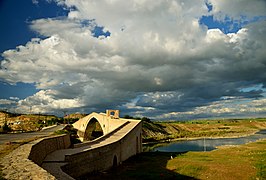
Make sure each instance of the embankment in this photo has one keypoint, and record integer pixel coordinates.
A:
(165, 131)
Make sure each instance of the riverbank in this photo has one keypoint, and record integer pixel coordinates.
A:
(196, 138)
(159, 132)
(197, 143)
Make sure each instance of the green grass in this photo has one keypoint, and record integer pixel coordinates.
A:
(190, 170)
(224, 163)
(261, 162)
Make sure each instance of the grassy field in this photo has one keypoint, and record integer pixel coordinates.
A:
(228, 162)
(238, 162)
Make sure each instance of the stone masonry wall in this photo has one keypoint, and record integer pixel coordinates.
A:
(104, 157)
(93, 160)
(48, 145)
(131, 144)
(17, 165)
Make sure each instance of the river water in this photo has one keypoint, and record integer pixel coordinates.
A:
(208, 144)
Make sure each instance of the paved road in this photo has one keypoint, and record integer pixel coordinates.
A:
(4, 138)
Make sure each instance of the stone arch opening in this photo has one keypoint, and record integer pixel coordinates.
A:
(115, 163)
(137, 144)
(112, 113)
(93, 130)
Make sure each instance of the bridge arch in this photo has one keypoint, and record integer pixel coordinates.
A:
(108, 122)
(115, 162)
(94, 129)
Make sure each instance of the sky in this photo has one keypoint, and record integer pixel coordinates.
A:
(167, 60)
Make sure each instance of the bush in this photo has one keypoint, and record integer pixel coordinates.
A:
(6, 128)
(145, 119)
(69, 129)
(128, 117)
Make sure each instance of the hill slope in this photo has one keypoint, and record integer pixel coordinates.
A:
(156, 131)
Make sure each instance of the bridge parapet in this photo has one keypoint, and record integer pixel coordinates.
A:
(101, 154)
(122, 139)
(110, 151)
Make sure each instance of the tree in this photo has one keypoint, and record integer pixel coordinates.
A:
(6, 128)
(128, 117)
(146, 119)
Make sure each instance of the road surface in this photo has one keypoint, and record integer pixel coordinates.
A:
(5, 138)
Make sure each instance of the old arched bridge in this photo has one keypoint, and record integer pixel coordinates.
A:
(107, 141)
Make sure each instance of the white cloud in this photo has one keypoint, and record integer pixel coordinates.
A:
(6, 102)
(44, 102)
(35, 2)
(238, 9)
(222, 109)
(14, 98)
(157, 51)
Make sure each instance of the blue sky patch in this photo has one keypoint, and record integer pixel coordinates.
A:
(15, 29)
(25, 90)
(98, 31)
(228, 25)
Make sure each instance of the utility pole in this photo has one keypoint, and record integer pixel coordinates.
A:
(204, 144)
(64, 116)
(30, 110)
(5, 116)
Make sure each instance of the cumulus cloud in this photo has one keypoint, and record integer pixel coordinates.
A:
(157, 59)
(239, 9)
(6, 102)
(222, 109)
(35, 2)
(43, 102)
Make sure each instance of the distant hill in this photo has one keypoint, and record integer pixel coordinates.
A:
(26, 122)
(75, 116)
(160, 131)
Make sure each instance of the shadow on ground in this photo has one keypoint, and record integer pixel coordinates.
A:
(147, 165)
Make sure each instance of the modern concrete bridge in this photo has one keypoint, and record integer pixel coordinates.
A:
(121, 138)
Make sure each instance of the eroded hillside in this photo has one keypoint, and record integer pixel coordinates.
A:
(154, 131)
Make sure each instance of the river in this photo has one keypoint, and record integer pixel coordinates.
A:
(208, 144)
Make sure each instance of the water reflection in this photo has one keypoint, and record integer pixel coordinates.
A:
(208, 144)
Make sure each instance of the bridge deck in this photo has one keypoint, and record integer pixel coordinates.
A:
(59, 155)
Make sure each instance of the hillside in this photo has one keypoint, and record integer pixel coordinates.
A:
(75, 116)
(25, 122)
(157, 131)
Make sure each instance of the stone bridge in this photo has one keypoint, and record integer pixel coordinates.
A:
(107, 141)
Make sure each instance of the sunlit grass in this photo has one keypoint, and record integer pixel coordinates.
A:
(229, 162)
